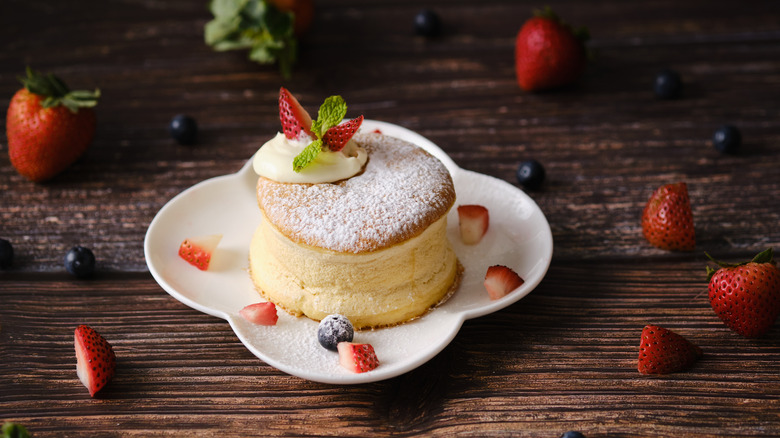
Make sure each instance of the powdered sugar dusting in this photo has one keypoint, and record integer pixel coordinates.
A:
(401, 192)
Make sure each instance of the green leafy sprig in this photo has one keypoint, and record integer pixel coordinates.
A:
(330, 114)
(256, 25)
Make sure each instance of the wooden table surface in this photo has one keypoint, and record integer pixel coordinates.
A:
(563, 358)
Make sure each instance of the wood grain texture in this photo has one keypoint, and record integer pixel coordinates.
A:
(563, 358)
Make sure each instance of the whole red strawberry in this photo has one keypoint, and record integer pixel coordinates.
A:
(548, 53)
(667, 220)
(746, 296)
(48, 126)
(663, 351)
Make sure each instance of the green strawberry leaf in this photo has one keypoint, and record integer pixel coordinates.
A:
(765, 256)
(55, 92)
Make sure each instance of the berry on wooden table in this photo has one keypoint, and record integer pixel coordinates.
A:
(80, 261)
(6, 254)
(667, 219)
(746, 296)
(95, 359)
(48, 126)
(549, 53)
(183, 129)
(427, 23)
(727, 139)
(530, 174)
(663, 351)
(667, 84)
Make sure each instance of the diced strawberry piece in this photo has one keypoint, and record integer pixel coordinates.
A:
(663, 351)
(357, 358)
(260, 313)
(474, 221)
(95, 359)
(198, 250)
(501, 280)
(338, 136)
(295, 120)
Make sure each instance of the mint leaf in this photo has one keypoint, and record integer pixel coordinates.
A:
(227, 8)
(307, 155)
(331, 113)
(256, 25)
(14, 430)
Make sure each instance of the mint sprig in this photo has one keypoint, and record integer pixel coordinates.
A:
(330, 114)
(256, 25)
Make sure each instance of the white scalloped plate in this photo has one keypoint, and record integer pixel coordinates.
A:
(519, 237)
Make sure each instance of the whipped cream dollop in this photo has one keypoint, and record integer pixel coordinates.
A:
(274, 160)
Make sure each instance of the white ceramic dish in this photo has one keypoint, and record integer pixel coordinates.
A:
(519, 237)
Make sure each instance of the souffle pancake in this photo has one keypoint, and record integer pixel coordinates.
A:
(353, 223)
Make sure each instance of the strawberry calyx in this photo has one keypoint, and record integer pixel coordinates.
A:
(581, 33)
(765, 256)
(55, 92)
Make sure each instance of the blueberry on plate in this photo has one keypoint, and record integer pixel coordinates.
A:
(184, 129)
(427, 23)
(334, 329)
(727, 139)
(667, 85)
(572, 434)
(80, 261)
(530, 174)
(6, 254)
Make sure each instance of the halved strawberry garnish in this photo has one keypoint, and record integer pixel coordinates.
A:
(95, 359)
(357, 358)
(260, 313)
(501, 280)
(338, 136)
(295, 120)
(473, 221)
(198, 250)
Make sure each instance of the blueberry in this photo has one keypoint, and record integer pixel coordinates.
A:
(427, 23)
(667, 85)
(80, 261)
(530, 174)
(572, 434)
(6, 254)
(727, 139)
(184, 129)
(334, 329)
